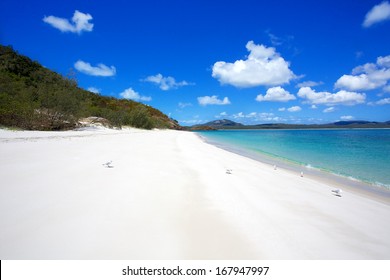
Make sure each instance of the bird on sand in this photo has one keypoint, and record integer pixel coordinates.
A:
(108, 164)
(337, 192)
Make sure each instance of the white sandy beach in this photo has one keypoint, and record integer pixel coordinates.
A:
(168, 196)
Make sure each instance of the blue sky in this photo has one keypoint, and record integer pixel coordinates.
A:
(248, 61)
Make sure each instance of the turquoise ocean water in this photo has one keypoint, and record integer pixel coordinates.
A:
(362, 154)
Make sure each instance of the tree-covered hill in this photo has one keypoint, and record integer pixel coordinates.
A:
(36, 98)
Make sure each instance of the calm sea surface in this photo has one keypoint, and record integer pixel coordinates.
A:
(362, 154)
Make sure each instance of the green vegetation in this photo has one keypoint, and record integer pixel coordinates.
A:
(35, 98)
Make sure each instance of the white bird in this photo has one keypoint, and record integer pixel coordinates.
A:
(301, 173)
(337, 192)
(274, 167)
(108, 164)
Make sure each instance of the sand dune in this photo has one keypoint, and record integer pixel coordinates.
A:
(168, 195)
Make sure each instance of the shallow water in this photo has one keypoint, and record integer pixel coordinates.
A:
(362, 154)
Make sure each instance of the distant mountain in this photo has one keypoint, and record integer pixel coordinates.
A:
(34, 97)
(353, 123)
(223, 123)
(228, 124)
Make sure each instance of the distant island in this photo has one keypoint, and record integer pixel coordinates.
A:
(228, 124)
(33, 97)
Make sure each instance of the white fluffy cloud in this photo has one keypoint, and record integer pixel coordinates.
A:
(346, 118)
(258, 116)
(182, 105)
(294, 109)
(384, 101)
(368, 76)
(99, 70)
(360, 82)
(383, 61)
(263, 66)
(276, 94)
(133, 95)
(329, 110)
(193, 121)
(80, 22)
(166, 83)
(222, 114)
(309, 84)
(378, 13)
(93, 89)
(212, 100)
(340, 98)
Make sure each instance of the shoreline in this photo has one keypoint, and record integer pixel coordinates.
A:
(169, 195)
(377, 192)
